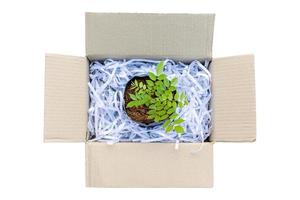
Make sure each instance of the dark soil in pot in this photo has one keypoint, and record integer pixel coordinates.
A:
(138, 114)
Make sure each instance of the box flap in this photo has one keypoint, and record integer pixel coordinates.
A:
(66, 100)
(149, 165)
(233, 102)
(123, 35)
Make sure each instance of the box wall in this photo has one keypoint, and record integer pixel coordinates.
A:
(154, 36)
(66, 98)
(149, 165)
(233, 101)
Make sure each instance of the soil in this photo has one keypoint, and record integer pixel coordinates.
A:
(138, 114)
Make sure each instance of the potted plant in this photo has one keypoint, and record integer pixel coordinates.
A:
(155, 99)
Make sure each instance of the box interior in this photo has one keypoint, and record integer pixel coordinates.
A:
(180, 37)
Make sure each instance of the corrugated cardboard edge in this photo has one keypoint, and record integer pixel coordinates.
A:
(66, 98)
(181, 37)
(149, 165)
(233, 101)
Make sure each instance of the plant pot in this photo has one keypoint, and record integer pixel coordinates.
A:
(137, 114)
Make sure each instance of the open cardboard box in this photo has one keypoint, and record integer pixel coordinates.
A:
(182, 37)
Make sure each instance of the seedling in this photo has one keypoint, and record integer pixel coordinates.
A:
(160, 96)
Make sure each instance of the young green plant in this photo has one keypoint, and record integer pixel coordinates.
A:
(160, 96)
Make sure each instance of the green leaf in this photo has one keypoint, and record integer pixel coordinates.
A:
(170, 97)
(137, 95)
(160, 91)
(136, 83)
(151, 112)
(157, 118)
(152, 76)
(178, 121)
(163, 87)
(141, 84)
(160, 107)
(179, 129)
(131, 104)
(138, 102)
(151, 117)
(147, 97)
(176, 96)
(174, 81)
(171, 110)
(181, 105)
(163, 97)
(169, 128)
(169, 104)
(160, 67)
(172, 88)
(132, 96)
(166, 82)
(167, 92)
(174, 104)
(158, 83)
(149, 82)
(174, 116)
(162, 112)
(166, 123)
(164, 117)
(152, 107)
(161, 77)
(186, 102)
(157, 104)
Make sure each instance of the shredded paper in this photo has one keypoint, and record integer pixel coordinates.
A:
(108, 121)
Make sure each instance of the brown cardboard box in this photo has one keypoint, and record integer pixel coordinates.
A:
(182, 37)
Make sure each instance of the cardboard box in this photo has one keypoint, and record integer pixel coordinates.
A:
(183, 37)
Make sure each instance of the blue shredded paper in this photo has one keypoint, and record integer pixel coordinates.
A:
(108, 121)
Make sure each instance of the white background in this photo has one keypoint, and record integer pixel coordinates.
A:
(268, 168)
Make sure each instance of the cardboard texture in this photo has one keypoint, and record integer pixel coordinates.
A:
(149, 165)
(177, 36)
(66, 98)
(233, 101)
